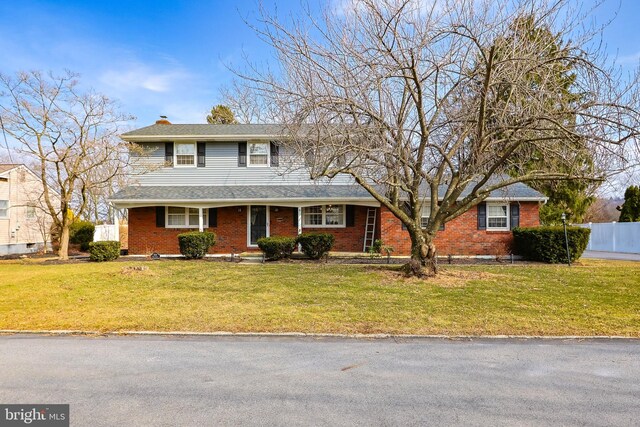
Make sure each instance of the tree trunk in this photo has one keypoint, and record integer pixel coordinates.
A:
(423, 254)
(63, 252)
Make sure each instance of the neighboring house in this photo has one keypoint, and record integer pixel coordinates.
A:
(236, 181)
(24, 225)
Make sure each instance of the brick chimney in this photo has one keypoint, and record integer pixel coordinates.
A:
(163, 121)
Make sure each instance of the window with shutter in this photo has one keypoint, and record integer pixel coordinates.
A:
(242, 154)
(202, 154)
(275, 154)
(324, 216)
(168, 153)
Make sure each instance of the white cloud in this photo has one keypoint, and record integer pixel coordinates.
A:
(137, 76)
(629, 59)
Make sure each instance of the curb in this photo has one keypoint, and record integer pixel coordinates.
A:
(315, 335)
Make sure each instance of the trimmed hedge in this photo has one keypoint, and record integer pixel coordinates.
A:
(547, 244)
(277, 247)
(81, 233)
(316, 245)
(195, 244)
(104, 251)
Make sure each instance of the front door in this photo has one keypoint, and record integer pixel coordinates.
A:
(258, 224)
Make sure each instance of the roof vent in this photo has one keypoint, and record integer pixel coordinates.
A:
(163, 121)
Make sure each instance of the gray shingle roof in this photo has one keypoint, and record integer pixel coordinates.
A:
(283, 192)
(266, 192)
(205, 130)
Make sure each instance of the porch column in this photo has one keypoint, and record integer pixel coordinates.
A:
(200, 220)
(299, 227)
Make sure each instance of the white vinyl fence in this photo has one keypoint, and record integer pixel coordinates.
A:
(106, 232)
(614, 236)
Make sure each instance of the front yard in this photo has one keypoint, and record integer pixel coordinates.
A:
(595, 298)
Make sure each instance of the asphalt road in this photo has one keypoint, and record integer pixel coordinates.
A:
(288, 381)
(622, 256)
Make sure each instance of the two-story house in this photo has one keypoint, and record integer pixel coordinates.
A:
(24, 225)
(237, 181)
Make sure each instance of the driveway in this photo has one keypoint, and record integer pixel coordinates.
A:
(290, 381)
(621, 256)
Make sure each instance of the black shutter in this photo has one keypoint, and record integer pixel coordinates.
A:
(160, 216)
(168, 153)
(482, 216)
(202, 153)
(213, 217)
(275, 154)
(407, 209)
(351, 215)
(242, 154)
(515, 215)
(295, 217)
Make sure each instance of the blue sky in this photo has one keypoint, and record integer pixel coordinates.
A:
(167, 57)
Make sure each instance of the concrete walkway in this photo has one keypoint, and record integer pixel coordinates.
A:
(174, 381)
(621, 256)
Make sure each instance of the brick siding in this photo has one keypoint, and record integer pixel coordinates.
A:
(231, 232)
(460, 237)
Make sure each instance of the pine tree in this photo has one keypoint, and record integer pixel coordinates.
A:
(221, 115)
(630, 210)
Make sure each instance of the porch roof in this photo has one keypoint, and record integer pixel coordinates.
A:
(281, 195)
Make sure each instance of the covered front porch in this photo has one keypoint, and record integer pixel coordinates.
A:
(154, 229)
(240, 215)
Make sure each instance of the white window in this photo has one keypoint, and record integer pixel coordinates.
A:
(324, 216)
(178, 217)
(31, 212)
(312, 215)
(426, 213)
(497, 217)
(4, 208)
(258, 154)
(185, 154)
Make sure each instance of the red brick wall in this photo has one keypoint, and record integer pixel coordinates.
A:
(348, 239)
(461, 235)
(146, 238)
(231, 232)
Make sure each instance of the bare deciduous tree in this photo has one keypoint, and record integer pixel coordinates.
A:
(245, 105)
(440, 103)
(71, 134)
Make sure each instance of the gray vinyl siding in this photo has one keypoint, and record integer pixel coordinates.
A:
(221, 169)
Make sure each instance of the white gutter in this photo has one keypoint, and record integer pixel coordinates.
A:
(286, 202)
(129, 203)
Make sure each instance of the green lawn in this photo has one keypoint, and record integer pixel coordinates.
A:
(595, 298)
